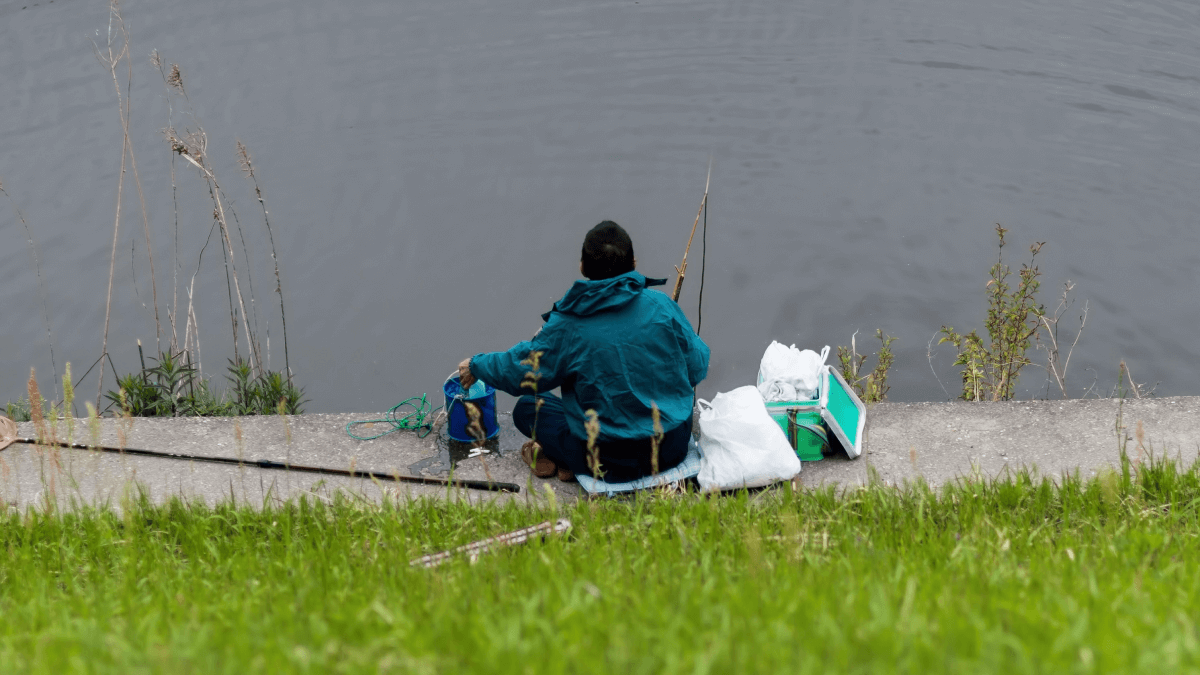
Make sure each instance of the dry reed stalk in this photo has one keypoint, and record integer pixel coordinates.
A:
(172, 315)
(192, 326)
(69, 403)
(194, 149)
(195, 152)
(194, 323)
(37, 266)
(1056, 365)
(1137, 391)
(248, 167)
(256, 346)
(93, 423)
(35, 405)
(124, 419)
(592, 428)
(137, 181)
(475, 428)
(229, 292)
(656, 439)
(112, 61)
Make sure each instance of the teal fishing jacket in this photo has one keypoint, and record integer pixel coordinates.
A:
(612, 346)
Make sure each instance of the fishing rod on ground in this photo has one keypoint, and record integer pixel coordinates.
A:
(8, 436)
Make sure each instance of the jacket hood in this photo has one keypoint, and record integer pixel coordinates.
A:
(588, 297)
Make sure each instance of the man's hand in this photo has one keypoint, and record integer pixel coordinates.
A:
(465, 378)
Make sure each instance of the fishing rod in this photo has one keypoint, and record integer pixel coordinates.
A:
(8, 431)
(681, 269)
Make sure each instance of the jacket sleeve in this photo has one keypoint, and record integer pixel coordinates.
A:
(512, 371)
(697, 357)
(695, 351)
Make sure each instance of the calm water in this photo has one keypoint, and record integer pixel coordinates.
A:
(431, 168)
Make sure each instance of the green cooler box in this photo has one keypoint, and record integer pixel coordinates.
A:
(837, 412)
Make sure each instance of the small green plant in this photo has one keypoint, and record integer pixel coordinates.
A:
(18, 410)
(1013, 318)
(276, 393)
(872, 387)
(172, 388)
(242, 394)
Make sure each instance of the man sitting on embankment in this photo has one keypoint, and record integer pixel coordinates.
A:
(612, 346)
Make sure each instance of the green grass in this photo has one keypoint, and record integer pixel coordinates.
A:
(1010, 576)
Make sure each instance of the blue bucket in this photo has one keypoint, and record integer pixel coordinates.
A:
(456, 413)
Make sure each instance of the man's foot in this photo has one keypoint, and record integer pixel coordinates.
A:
(566, 475)
(543, 467)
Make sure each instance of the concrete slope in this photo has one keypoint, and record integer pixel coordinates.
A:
(29, 474)
(936, 441)
(943, 441)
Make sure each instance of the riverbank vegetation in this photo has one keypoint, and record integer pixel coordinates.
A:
(870, 385)
(1014, 575)
(990, 369)
(172, 311)
(172, 388)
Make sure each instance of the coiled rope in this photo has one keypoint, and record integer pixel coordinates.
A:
(419, 417)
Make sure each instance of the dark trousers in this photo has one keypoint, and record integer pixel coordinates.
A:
(620, 461)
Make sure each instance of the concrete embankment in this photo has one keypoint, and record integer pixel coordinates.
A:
(936, 441)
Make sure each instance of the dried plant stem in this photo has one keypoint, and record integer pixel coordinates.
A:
(214, 191)
(248, 166)
(1137, 391)
(111, 62)
(656, 439)
(191, 326)
(37, 266)
(256, 346)
(192, 318)
(124, 109)
(173, 312)
(194, 150)
(137, 182)
(591, 426)
(1056, 364)
(229, 293)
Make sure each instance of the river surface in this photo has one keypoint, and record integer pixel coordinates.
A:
(430, 169)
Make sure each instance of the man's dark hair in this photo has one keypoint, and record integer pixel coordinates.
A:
(607, 251)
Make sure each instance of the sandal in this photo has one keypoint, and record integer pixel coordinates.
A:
(566, 475)
(543, 467)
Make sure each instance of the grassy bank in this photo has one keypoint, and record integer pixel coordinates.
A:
(1018, 575)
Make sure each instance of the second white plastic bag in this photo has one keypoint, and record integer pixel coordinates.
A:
(740, 443)
(789, 374)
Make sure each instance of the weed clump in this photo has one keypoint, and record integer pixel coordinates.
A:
(173, 388)
(872, 387)
(1013, 318)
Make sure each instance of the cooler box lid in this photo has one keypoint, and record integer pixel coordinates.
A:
(843, 412)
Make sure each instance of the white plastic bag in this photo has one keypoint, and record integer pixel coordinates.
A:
(788, 374)
(740, 443)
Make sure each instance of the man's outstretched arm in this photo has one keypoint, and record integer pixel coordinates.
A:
(509, 370)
